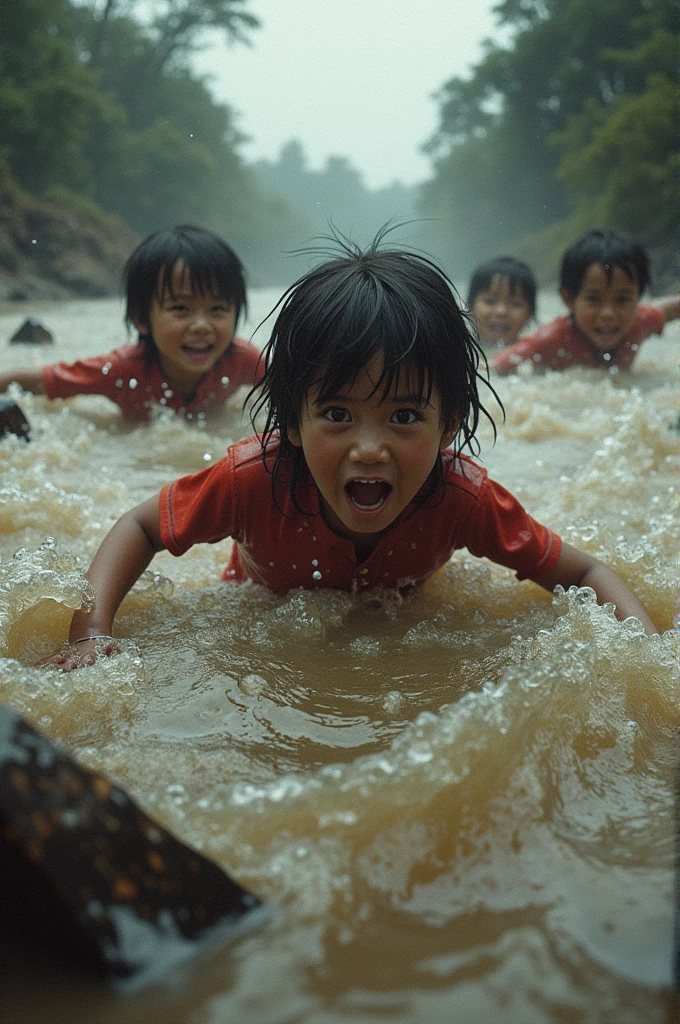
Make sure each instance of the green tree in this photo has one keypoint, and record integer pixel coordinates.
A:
(495, 169)
(50, 104)
(621, 165)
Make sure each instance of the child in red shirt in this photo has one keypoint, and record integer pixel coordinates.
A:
(370, 393)
(185, 290)
(603, 275)
(501, 298)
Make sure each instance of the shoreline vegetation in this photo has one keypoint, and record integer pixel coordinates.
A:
(109, 133)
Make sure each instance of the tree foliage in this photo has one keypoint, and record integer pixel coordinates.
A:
(101, 106)
(569, 115)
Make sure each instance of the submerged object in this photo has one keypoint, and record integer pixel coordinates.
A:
(32, 332)
(12, 420)
(91, 879)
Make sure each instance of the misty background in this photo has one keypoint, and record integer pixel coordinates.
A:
(492, 127)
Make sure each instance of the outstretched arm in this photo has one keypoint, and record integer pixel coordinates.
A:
(669, 306)
(576, 568)
(122, 558)
(28, 379)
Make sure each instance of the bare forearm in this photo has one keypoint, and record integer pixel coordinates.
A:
(576, 568)
(610, 587)
(28, 379)
(669, 306)
(123, 556)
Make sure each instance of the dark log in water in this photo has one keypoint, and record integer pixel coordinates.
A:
(92, 880)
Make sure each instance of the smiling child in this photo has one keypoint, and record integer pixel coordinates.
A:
(603, 275)
(358, 479)
(502, 298)
(185, 291)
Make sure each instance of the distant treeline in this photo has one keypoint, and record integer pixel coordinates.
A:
(569, 124)
(566, 124)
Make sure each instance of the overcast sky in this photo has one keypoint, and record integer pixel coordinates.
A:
(348, 77)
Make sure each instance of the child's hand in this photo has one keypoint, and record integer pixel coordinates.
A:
(81, 653)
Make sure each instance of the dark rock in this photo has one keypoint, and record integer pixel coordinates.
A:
(32, 332)
(12, 420)
(90, 879)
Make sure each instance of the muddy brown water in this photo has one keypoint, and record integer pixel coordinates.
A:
(458, 804)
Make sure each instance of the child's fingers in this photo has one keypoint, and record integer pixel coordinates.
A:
(73, 657)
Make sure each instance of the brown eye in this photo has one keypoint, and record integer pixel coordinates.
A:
(404, 417)
(336, 414)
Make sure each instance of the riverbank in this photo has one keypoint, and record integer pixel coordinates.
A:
(48, 251)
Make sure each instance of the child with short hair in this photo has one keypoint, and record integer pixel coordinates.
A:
(358, 479)
(185, 291)
(603, 275)
(502, 298)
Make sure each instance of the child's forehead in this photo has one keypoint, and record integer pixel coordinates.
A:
(372, 379)
(179, 280)
(505, 283)
(609, 275)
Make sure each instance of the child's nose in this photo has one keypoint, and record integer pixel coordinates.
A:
(200, 321)
(369, 446)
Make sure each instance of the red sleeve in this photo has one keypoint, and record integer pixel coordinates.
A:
(502, 530)
(549, 348)
(248, 368)
(95, 376)
(648, 320)
(509, 358)
(199, 508)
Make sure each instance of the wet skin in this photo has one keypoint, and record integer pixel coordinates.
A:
(604, 309)
(190, 330)
(369, 455)
(501, 312)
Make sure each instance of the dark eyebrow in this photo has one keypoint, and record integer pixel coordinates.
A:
(406, 399)
(411, 399)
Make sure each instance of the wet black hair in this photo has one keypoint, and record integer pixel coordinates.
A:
(608, 248)
(212, 265)
(520, 277)
(358, 304)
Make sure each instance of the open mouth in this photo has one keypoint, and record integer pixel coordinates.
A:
(607, 336)
(197, 351)
(368, 495)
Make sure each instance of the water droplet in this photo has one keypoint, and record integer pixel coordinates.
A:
(34, 241)
(132, 383)
(225, 381)
(315, 561)
(316, 575)
(207, 457)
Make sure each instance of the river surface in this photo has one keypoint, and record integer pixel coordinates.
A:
(459, 804)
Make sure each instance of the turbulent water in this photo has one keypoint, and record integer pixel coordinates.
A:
(459, 804)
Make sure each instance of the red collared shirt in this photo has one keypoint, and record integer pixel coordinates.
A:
(283, 549)
(560, 344)
(136, 384)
